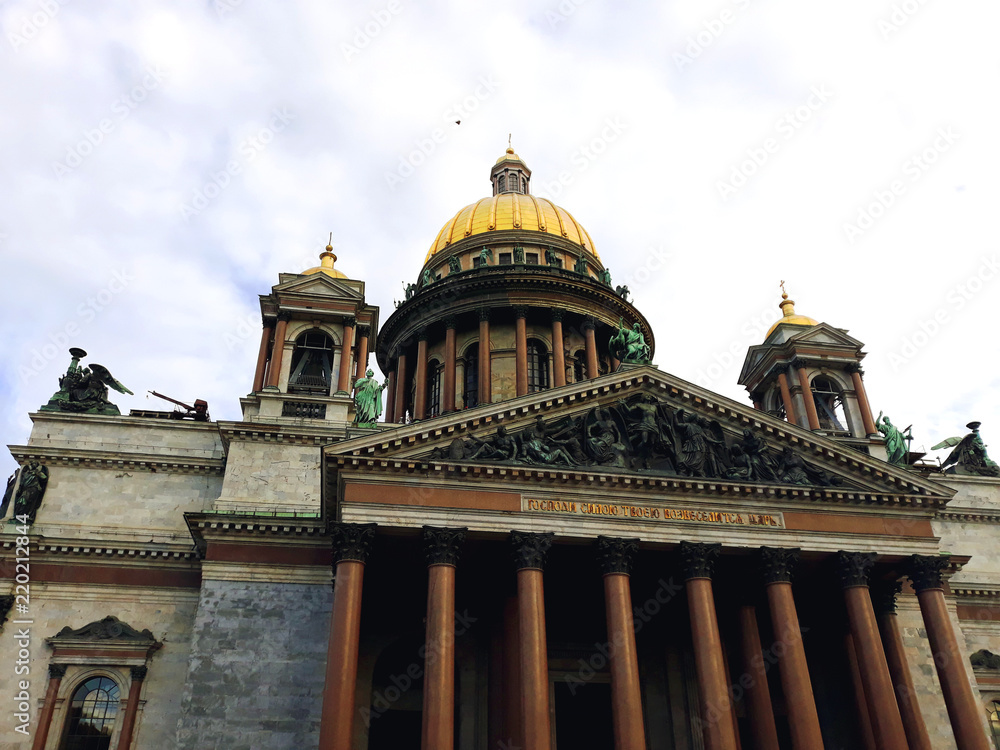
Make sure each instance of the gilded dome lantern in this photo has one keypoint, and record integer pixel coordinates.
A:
(512, 298)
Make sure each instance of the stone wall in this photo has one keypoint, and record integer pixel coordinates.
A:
(271, 476)
(257, 666)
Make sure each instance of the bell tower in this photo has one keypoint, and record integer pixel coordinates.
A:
(809, 373)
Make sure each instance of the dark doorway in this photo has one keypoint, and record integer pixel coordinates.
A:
(583, 716)
(396, 729)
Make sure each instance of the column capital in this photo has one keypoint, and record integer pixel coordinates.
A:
(854, 568)
(616, 554)
(557, 314)
(698, 559)
(269, 322)
(484, 314)
(349, 321)
(520, 311)
(530, 549)
(777, 564)
(798, 363)
(854, 367)
(451, 323)
(442, 545)
(422, 334)
(139, 673)
(352, 541)
(284, 317)
(589, 324)
(884, 596)
(781, 368)
(924, 572)
(57, 671)
(364, 331)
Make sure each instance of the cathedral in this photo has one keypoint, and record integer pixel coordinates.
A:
(526, 536)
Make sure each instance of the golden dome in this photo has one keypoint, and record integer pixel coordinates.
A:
(326, 261)
(507, 211)
(788, 308)
(511, 156)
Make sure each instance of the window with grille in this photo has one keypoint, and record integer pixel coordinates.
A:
(471, 392)
(829, 402)
(92, 715)
(433, 389)
(531, 259)
(501, 183)
(506, 259)
(312, 364)
(538, 366)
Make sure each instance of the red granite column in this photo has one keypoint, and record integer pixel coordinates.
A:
(448, 388)
(362, 365)
(758, 697)
(963, 708)
(274, 371)
(420, 378)
(400, 401)
(786, 395)
(131, 707)
(615, 556)
(778, 566)
(529, 558)
(558, 353)
(807, 394)
(520, 351)
(344, 379)
(887, 726)
(593, 368)
(56, 673)
(485, 365)
(884, 600)
(866, 409)
(698, 561)
(860, 699)
(352, 544)
(390, 398)
(441, 547)
(265, 340)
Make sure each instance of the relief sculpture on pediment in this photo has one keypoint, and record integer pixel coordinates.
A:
(642, 434)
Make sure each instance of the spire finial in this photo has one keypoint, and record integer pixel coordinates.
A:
(327, 258)
(329, 245)
(787, 305)
(784, 294)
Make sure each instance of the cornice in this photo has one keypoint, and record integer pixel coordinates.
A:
(49, 550)
(969, 515)
(250, 528)
(291, 434)
(118, 460)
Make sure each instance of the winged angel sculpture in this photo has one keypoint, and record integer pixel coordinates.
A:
(969, 454)
(85, 389)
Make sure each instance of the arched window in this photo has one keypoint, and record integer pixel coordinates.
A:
(579, 366)
(433, 389)
(829, 404)
(501, 183)
(312, 364)
(995, 723)
(538, 366)
(776, 406)
(92, 714)
(524, 186)
(471, 391)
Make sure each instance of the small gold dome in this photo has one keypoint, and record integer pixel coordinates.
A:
(326, 261)
(507, 211)
(510, 155)
(789, 316)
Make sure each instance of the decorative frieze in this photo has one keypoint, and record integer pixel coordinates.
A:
(530, 549)
(443, 545)
(615, 554)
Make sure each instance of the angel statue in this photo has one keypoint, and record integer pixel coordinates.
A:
(84, 389)
(969, 454)
(368, 399)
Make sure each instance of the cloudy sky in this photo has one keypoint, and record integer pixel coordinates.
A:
(163, 162)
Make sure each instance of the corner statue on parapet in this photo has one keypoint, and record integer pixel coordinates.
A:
(629, 345)
(85, 389)
(368, 399)
(969, 455)
(896, 440)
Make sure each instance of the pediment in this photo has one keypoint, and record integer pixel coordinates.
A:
(826, 334)
(641, 423)
(321, 285)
